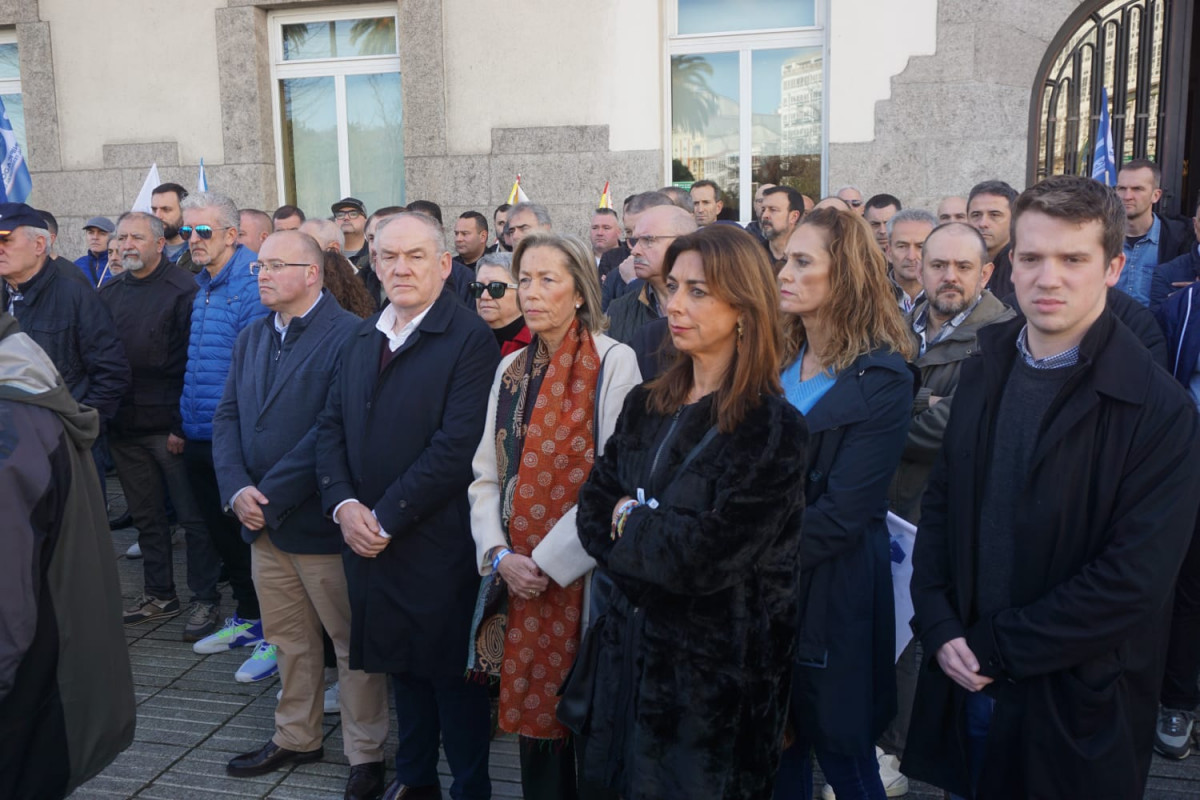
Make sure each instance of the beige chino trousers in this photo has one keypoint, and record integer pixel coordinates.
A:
(298, 595)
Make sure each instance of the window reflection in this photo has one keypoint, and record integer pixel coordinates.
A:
(309, 141)
(788, 86)
(374, 116)
(343, 38)
(706, 122)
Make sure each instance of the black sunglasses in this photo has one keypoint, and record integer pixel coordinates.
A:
(496, 289)
(203, 231)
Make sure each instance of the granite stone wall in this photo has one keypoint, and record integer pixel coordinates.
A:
(961, 115)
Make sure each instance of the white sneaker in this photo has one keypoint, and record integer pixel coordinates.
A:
(134, 551)
(333, 699)
(894, 783)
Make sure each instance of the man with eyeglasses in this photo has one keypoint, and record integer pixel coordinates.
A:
(225, 304)
(264, 450)
(656, 229)
(394, 448)
(853, 197)
(351, 215)
(616, 266)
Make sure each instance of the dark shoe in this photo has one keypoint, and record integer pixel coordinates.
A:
(366, 782)
(121, 522)
(201, 621)
(398, 791)
(268, 759)
(147, 608)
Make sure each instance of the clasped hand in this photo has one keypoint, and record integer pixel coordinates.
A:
(361, 530)
(523, 576)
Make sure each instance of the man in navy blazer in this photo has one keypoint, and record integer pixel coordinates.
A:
(394, 448)
(264, 448)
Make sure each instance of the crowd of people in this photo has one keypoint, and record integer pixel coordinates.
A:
(635, 488)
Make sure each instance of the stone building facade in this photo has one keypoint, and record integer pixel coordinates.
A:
(922, 98)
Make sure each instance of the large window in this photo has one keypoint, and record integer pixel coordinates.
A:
(747, 96)
(338, 106)
(10, 87)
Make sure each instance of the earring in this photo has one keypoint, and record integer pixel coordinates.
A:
(578, 306)
(739, 329)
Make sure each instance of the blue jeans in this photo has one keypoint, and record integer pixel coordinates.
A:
(979, 721)
(457, 709)
(852, 777)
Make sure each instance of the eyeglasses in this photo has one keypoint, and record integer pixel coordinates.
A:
(203, 231)
(855, 203)
(351, 214)
(648, 241)
(272, 266)
(496, 289)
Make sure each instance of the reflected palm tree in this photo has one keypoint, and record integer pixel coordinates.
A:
(693, 100)
(377, 36)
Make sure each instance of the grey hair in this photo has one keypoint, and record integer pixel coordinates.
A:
(33, 233)
(227, 210)
(640, 202)
(911, 215)
(435, 230)
(157, 230)
(678, 196)
(500, 259)
(328, 230)
(848, 186)
(538, 211)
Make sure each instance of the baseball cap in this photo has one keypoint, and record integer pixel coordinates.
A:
(14, 215)
(349, 202)
(103, 223)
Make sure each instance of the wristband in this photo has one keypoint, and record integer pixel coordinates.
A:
(618, 526)
(500, 557)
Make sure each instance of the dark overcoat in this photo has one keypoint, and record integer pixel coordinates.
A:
(265, 433)
(401, 441)
(1107, 516)
(696, 645)
(844, 691)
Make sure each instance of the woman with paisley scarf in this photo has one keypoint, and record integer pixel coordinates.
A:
(553, 405)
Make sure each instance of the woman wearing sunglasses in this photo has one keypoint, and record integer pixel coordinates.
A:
(553, 405)
(495, 293)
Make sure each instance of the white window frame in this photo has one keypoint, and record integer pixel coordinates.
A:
(337, 68)
(744, 42)
(10, 85)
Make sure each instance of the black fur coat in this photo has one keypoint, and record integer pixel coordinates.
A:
(699, 633)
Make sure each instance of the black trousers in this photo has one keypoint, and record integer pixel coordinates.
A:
(225, 530)
(1180, 687)
(549, 771)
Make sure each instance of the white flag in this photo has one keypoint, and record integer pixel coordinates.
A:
(904, 538)
(148, 186)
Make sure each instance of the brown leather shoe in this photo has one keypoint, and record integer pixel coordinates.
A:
(366, 782)
(269, 758)
(398, 791)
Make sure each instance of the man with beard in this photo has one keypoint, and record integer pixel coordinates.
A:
(906, 233)
(151, 304)
(165, 204)
(351, 215)
(782, 208)
(952, 271)
(755, 227)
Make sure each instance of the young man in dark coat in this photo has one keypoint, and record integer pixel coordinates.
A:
(1046, 555)
(394, 450)
(264, 451)
(66, 692)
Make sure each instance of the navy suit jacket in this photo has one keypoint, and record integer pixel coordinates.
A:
(264, 433)
(400, 440)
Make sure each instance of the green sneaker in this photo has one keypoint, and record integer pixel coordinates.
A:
(236, 633)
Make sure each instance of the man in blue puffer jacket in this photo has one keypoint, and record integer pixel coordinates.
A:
(226, 303)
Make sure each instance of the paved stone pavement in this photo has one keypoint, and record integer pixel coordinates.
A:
(193, 717)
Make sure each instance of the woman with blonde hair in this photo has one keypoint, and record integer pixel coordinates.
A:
(693, 513)
(845, 368)
(553, 405)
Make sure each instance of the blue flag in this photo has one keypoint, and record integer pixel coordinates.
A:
(1104, 158)
(202, 179)
(15, 183)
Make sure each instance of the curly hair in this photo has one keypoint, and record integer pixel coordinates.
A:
(345, 286)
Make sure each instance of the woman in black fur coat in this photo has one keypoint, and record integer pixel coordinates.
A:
(693, 512)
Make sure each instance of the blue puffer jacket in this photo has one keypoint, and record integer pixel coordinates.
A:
(224, 305)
